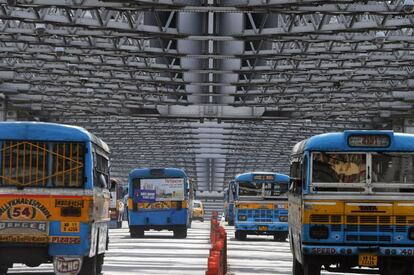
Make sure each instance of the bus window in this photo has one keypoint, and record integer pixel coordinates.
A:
(250, 189)
(392, 168)
(42, 164)
(339, 168)
(101, 171)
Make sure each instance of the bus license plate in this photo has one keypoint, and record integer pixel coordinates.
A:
(368, 260)
(70, 227)
(262, 228)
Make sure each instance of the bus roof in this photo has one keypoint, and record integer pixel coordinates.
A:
(249, 176)
(338, 141)
(157, 173)
(44, 131)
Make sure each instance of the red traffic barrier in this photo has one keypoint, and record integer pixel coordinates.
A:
(217, 262)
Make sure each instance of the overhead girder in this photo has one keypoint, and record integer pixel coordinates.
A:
(312, 66)
(130, 21)
(340, 7)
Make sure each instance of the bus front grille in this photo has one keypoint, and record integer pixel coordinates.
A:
(260, 215)
(368, 238)
(364, 228)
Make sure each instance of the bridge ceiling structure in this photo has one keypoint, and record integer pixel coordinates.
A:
(217, 87)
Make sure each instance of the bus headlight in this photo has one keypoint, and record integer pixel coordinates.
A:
(319, 232)
(411, 233)
(283, 218)
(242, 217)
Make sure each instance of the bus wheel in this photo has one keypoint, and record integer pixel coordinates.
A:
(99, 263)
(88, 266)
(3, 269)
(180, 232)
(297, 268)
(230, 223)
(136, 232)
(240, 235)
(311, 269)
(280, 237)
(396, 268)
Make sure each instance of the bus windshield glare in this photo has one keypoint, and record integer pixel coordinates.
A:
(351, 168)
(259, 189)
(332, 168)
(42, 164)
(393, 168)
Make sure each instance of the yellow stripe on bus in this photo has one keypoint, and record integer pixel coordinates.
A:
(377, 212)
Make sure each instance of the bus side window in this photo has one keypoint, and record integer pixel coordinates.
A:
(136, 183)
(304, 172)
(295, 178)
(101, 171)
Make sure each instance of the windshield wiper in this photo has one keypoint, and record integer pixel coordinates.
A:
(394, 155)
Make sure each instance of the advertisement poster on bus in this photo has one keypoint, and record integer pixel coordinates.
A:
(165, 189)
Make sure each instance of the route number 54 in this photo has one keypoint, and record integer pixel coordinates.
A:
(22, 211)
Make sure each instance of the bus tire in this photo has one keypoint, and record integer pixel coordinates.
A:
(180, 233)
(311, 269)
(3, 269)
(239, 235)
(88, 266)
(243, 236)
(99, 263)
(391, 267)
(230, 223)
(280, 237)
(136, 232)
(297, 268)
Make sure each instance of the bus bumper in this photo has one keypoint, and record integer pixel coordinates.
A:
(158, 219)
(334, 250)
(262, 229)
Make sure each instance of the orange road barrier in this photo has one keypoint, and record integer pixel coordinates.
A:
(217, 261)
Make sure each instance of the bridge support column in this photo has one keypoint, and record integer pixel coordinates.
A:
(408, 126)
(3, 109)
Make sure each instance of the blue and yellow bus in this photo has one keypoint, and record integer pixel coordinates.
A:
(260, 205)
(159, 199)
(229, 203)
(54, 197)
(351, 203)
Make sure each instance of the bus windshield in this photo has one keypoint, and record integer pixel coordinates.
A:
(386, 168)
(42, 164)
(339, 168)
(392, 168)
(262, 189)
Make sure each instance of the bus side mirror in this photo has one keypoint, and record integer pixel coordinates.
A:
(102, 181)
(113, 185)
(295, 186)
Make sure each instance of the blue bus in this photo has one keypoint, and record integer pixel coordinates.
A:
(351, 203)
(260, 205)
(159, 199)
(229, 203)
(54, 197)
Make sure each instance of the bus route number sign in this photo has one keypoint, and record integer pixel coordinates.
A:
(380, 141)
